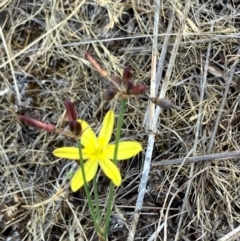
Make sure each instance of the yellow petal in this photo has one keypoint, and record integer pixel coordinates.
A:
(109, 151)
(88, 136)
(71, 153)
(126, 149)
(106, 130)
(111, 171)
(90, 168)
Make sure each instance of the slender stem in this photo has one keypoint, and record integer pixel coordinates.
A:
(119, 128)
(92, 211)
(109, 209)
(111, 190)
(97, 208)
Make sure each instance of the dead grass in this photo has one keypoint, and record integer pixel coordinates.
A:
(42, 63)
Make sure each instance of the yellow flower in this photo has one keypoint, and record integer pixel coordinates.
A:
(97, 150)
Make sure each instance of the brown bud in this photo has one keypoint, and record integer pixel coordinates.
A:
(163, 103)
(75, 127)
(126, 74)
(95, 65)
(138, 89)
(109, 94)
(36, 123)
(70, 110)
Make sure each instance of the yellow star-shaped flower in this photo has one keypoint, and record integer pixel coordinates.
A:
(98, 151)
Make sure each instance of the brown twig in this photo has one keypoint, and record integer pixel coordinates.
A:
(209, 157)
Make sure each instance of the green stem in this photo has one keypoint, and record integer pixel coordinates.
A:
(111, 190)
(109, 209)
(119, 128)
(92, 211)
(95, 189)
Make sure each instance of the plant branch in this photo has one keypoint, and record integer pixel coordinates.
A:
(208, 157)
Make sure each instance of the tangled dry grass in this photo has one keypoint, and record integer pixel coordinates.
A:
(42, 63)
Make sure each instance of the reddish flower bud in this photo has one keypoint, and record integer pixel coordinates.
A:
(126, 74)
(36, 123)
(109, 94)
(163, 103)
(137, 90)
(75, 127)
(70, 110)
(129, 86)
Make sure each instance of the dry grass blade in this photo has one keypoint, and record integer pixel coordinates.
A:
(231, 236)
(18, 101)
